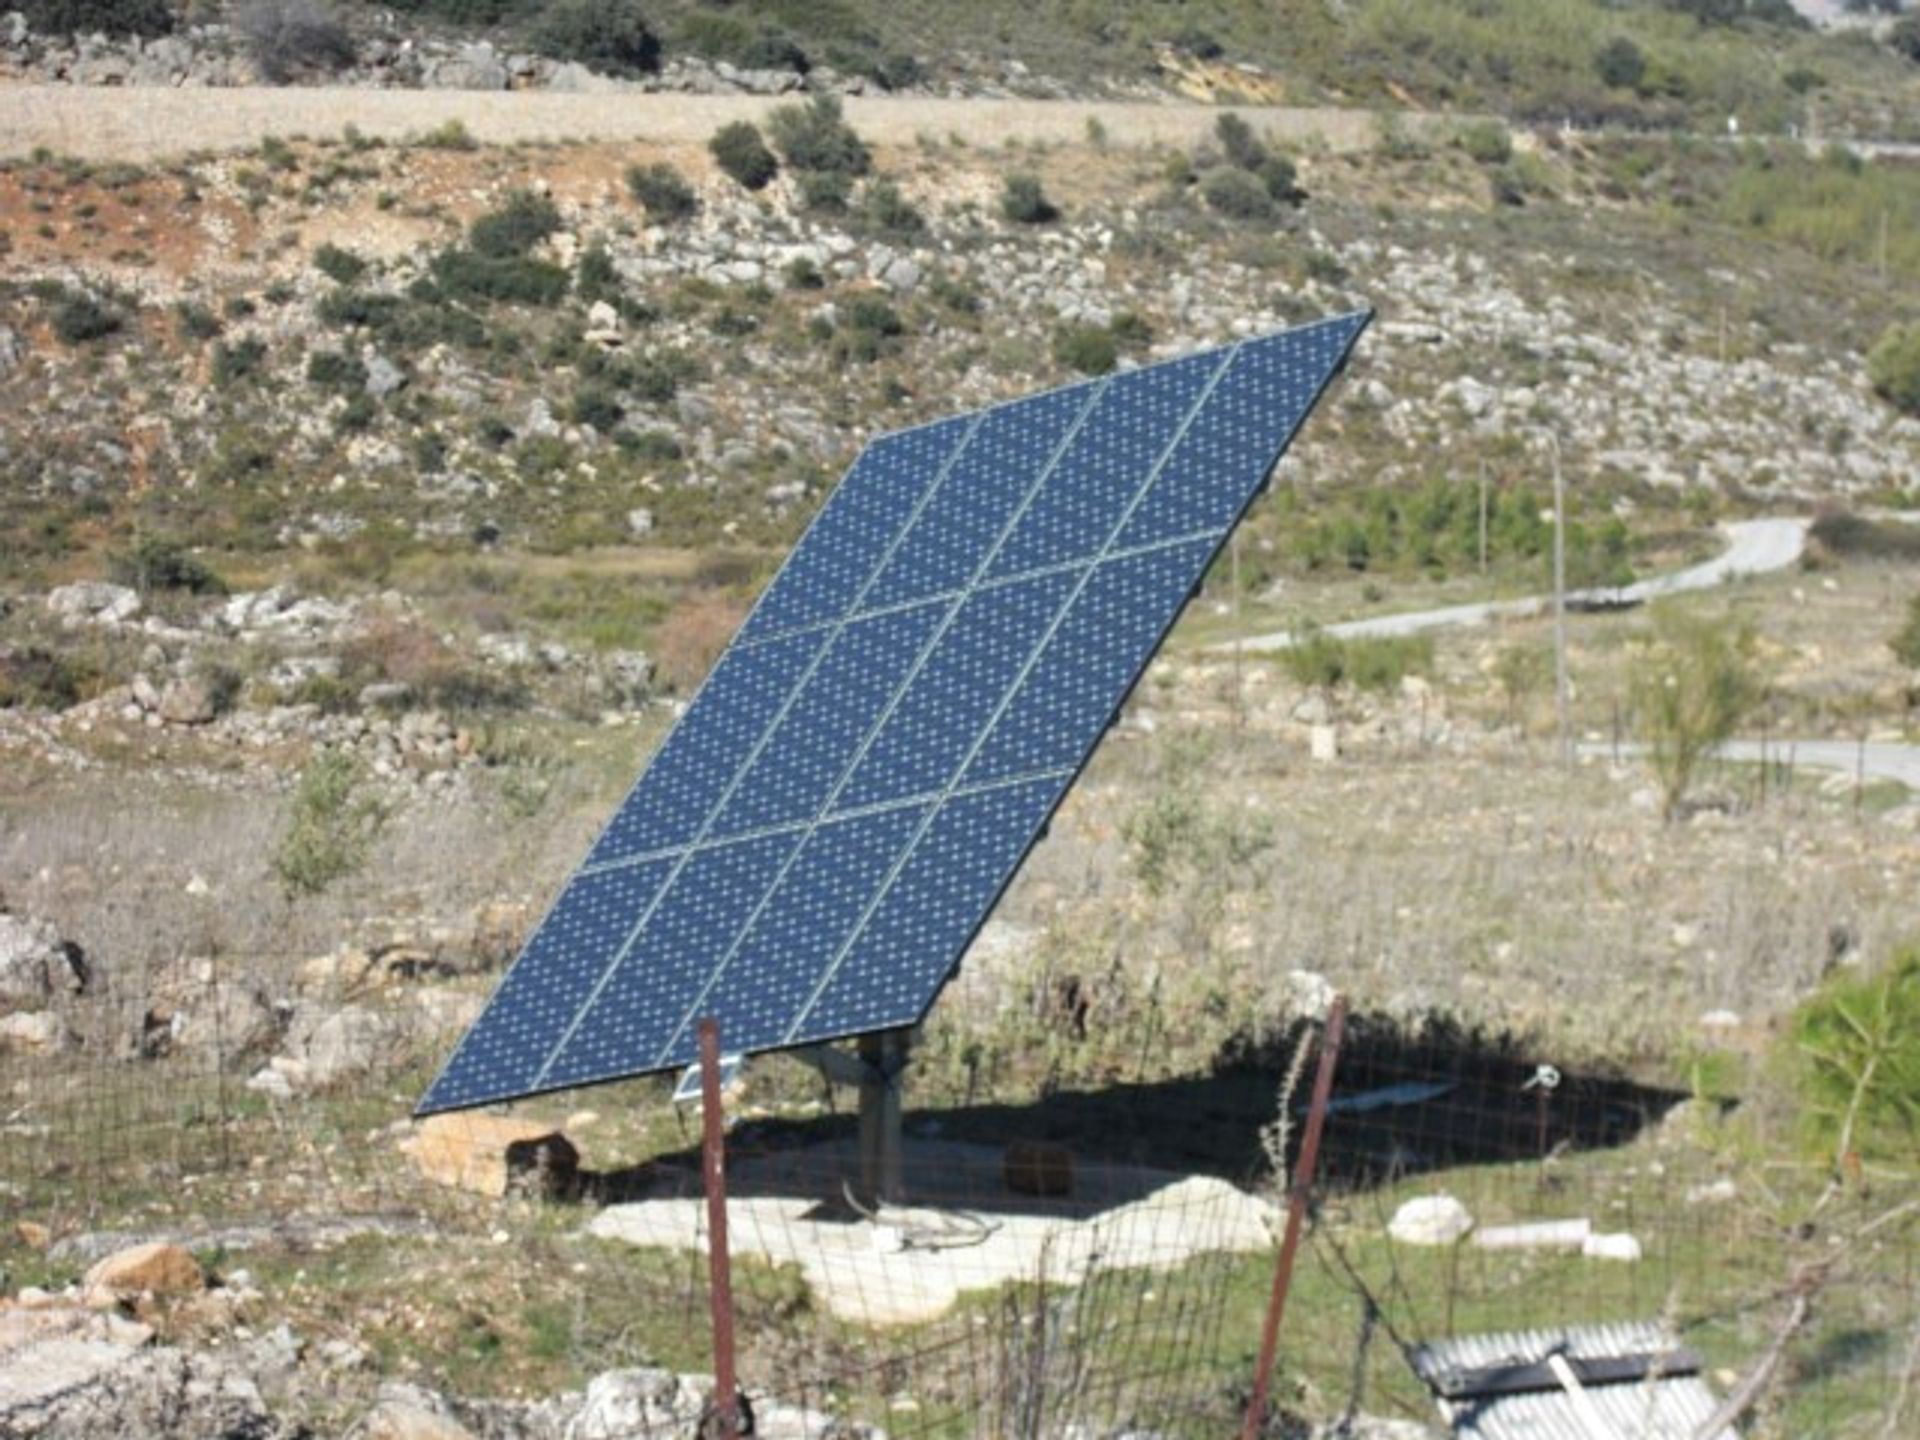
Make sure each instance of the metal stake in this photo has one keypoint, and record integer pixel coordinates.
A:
(1298, 1190)
(713, 1157)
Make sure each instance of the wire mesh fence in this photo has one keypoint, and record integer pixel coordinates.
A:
(1086, 1261)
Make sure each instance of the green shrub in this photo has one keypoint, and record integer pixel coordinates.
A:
(40, 679)
(1857, 1045)
(802, 274)
(1487, 143)
(80, 319)
(335, 370)
(663, 192)
(816, 137)
(597, 406)
(341, 266)
(1838, 532)
(1281, 179)
(289, 37)
(1620, 64)
(1906, 643)
(611, 36)
(1232, 192)
(825, 192)
(739, 150)
(519, 224)
(448, 135)
(883, 210)
(330, 827)
(1377, 663)
(242, 360)
(1904, 36)
(1089, 349)
(763, 47)
(1893, 367)
(196, 321)
(1241, 146)
(157, 563)
(1025, 202)
(466, 275)
(1692, 684)
(85, 17)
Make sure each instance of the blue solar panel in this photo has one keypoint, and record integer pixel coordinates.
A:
(817, 842)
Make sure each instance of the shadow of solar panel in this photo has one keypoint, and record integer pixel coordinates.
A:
(819, 839)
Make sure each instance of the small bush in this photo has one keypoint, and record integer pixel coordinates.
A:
(341, 266)
(513, 280)
(331, 825)
(242, 360)
(448, 135)
(1025, 202)
(1281, 179)
(825, 192)
(663, 192)
(611, 36)
(1904, 37)
(1857, 1041)
(145, 18)
(39, 679)
(1906, 643)
(285, 38)
(1893, 367)
(1377, 663)
(157, 563)
(81, 319)
(816, 137)
(1841, 533)
(1089, 349)
(802, 274)
(883, 210)
(1487, 143)
(1232, 192)
(521, 222)
(1692, 685)
(1237, 140)
(1620, 64)
(335, 370)
(722, 37)
(599, 407)
(739, 150)
(196, 321)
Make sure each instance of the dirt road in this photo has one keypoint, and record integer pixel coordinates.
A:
(1754, 547)
(94, 123)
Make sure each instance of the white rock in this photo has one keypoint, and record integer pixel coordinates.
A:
(1323, 743)
(1430, 1220)
(1616, 1246)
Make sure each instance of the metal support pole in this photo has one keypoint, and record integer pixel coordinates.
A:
(885, 1057)
(1562, 727)
(713, 1157)
(1298, 1191)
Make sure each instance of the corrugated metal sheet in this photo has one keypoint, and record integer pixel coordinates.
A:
(1652, 1408)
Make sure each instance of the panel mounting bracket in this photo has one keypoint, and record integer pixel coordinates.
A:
(875, 1065)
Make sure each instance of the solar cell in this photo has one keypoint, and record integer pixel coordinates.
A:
(818, 840)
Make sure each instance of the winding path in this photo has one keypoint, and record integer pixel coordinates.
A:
(1754, 547)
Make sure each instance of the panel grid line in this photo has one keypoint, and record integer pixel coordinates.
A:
(984, 587)
(1033, 658)
(852, 812)
(928, 648)
(746, 765)
(820, 835)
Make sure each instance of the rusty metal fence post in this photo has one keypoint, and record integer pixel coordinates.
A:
(713, 1167)
(1298, 1192)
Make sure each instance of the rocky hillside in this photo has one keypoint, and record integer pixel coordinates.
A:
(1672, 63)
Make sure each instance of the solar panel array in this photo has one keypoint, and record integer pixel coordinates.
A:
(822, 834)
